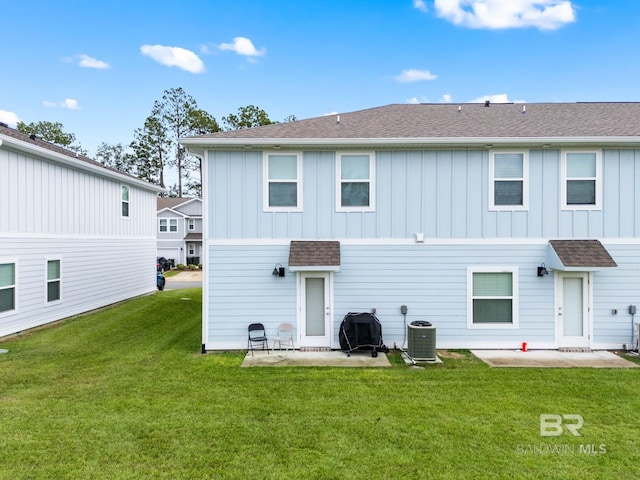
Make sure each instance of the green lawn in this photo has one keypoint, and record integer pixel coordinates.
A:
(125, 393)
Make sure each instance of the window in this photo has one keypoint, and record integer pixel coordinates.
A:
(509, 188)
(355, 182)
(492, 297)
(581, 184)
(125, 200)
(191, 249)
(7, 287)
(168, 225)
(53, 281)
(191, 224)
(282, 182)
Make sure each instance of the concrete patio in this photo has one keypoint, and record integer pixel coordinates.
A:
(552, 359)
(296, 358)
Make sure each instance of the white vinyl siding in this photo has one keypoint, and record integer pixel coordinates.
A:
(355, 186)
(509, 182)
(282, 174)
(492, 297)
(53, 281)
(7, 287)
(581, 180)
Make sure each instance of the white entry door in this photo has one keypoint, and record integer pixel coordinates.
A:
(573, 309)
(315, 319)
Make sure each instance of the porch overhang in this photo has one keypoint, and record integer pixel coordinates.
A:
(578, 256)
(314, 256)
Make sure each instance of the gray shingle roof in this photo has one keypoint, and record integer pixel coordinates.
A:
(471, 120)
(314, 253)
(582, 253)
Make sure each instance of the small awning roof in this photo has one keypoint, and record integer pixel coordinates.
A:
(578, 256)
(319, 256)
(193, 236)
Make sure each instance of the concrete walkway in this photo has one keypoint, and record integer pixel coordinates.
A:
(552, 358)
(296, 358)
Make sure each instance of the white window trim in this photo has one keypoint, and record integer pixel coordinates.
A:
(598, 179)
(514, 297)
(128, 202)
(47, 303)
(525, 181)
(14, 261)
(160, 220)
(371, 180)
(191, 224)
(191, 249)
(265, 182)
(171, 220)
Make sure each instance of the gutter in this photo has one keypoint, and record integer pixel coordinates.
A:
(197, 145)
(69, 161)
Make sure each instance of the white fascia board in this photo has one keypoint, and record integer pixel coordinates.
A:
(167, 209)
(199, 144)
(77, 164)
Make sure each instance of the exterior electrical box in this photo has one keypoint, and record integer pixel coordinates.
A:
(421, 338)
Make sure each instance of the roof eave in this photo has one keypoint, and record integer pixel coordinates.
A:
(76, 163)
(199, 144)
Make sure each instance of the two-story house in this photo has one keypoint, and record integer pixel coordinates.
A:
(74, 235)
(180, 230)
(498, 223)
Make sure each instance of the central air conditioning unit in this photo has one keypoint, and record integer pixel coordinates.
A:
(421, 338)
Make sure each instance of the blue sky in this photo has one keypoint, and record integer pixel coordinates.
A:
(98, 66)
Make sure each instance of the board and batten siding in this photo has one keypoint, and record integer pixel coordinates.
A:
(52, 210)
(430, 279)
(440, 193)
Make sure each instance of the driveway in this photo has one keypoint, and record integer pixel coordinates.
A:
(185, 279)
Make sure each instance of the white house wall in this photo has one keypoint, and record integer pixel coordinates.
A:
(51, 211)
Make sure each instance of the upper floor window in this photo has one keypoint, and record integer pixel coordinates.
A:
(125, 200)
(282, 182)
(191, 224)
(168, 225)
(7, 287)
(581, 180)
(355, 178)
(492, 297)
(53, 280)
(509, 183)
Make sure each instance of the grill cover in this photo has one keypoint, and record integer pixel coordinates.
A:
(361, 331)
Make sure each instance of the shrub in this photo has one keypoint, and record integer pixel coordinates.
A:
(192, 267)
(181, 266)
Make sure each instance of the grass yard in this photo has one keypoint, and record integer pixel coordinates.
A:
(125, 394)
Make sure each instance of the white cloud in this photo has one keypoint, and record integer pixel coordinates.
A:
(498, 98)
(9, 118)
(243, 46)
(174, 57)
(412, 75)
(446, 98)
(420, 5)
(68, 103)
(498, 14)
(86, 61)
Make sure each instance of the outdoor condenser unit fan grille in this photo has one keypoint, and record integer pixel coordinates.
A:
(421, 341)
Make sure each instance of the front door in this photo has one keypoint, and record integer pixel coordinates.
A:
(572, 309)
(314, 309)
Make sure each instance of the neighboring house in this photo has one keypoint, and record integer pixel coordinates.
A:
(456, 211)
(74, 235)
(180, 230)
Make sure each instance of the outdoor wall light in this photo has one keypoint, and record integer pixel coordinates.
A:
(542, 271)
(278, 270)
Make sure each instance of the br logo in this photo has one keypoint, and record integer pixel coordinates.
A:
(552, 425)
